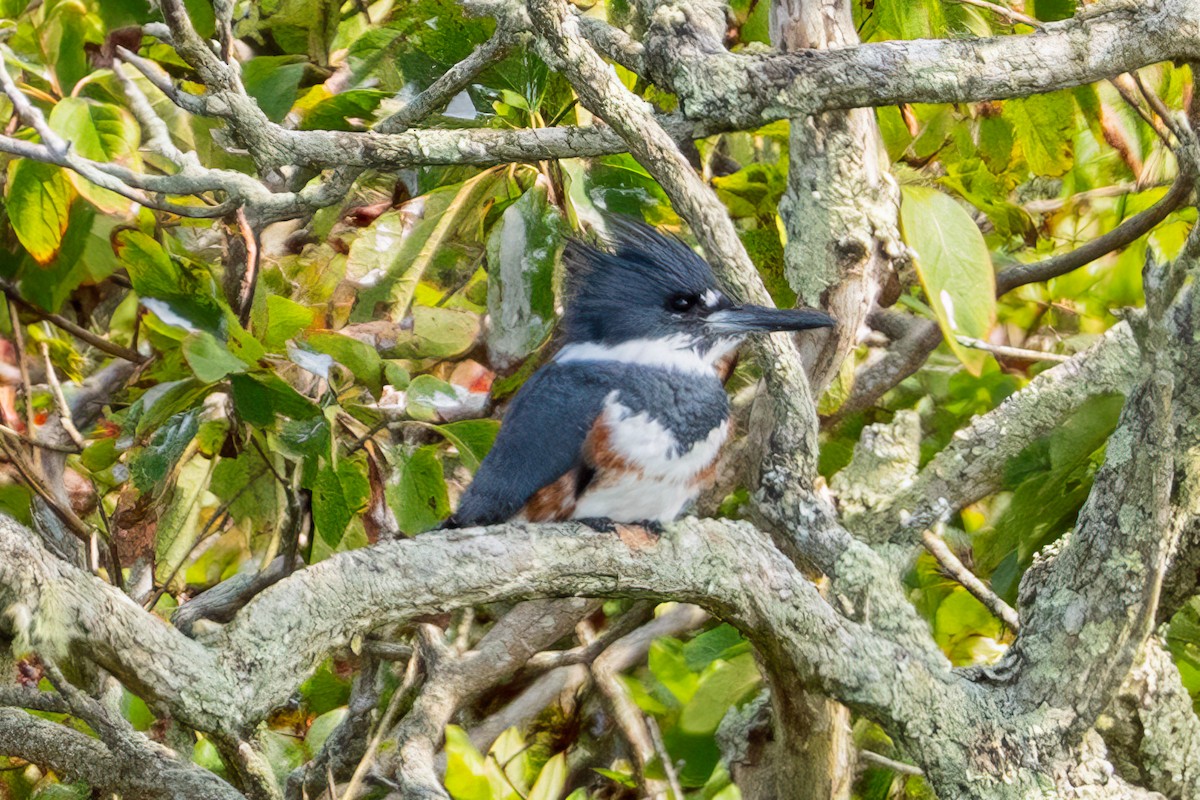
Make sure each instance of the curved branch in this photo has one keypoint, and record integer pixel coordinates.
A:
(971, 466)
(258, 659)
(748, 90)
(907, 355)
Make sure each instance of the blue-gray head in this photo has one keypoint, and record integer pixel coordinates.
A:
(647, 286)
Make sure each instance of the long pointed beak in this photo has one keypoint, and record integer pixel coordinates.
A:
(753, 319)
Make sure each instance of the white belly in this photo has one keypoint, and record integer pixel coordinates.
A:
(630, 498)
(662, 477)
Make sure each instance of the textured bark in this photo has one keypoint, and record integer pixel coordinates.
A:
(1024, 728)
(840, 208)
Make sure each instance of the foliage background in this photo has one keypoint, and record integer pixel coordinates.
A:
(387, 330)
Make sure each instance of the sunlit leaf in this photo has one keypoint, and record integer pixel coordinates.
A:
(466, 776)
(954, 265)
(360, 358)
(1043, 124)
(102, 132)
(551, 780)
(208, 358)
(39, 203)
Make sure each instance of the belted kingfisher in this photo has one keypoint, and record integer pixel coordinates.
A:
(625, 422)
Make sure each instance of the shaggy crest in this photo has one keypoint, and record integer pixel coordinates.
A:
(618, 293)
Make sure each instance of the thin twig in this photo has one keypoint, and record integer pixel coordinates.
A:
(453, 81)
(908, 354)
(385, 725)
(1160, 130)
(79, 332)
(26, 383)
(1160, 108)
(664, 757)
(29, 440)
(889, 763)
(245, 298)
(64, 409)
(387, 651)
(968, 580)
(30, 474)
(1014, 17)
(1005, 351)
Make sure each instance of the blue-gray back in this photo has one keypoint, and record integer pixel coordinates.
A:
(542, 435)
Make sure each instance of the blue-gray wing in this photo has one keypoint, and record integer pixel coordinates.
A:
(540, 440)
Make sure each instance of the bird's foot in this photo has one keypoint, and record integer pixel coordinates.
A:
(600, 524)
(652, 526)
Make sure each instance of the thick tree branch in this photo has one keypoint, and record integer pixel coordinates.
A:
(77, 756)
(749, 90)
(970, 467)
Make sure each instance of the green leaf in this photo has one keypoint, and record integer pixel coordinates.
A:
(416, 491)
(321, 728)
(551, 780)
(954, 266)
(669, 667)
(473, 438)
(334, 113)
(723, 641)
(16, 501)
(326, 690)
(285, 319)
(164, 400)
(627, 779)
(368, 50)
(620, 185)
(1051, 10)
(247, 486)
(102, 132)
(330, 509)
(996, 142)
(151, 466)
(39, 203)
(722, 685)
(273, 82)
(522, 253)
(466, 775)
(359, 357)
(63, 38)
(1043, 125)
(437, 332)
(753, 191)
(395, 253)
(426, 395)
(51, 285)
(179, 526)
(209, 359)
(306, 436)
(258, 398)
(907, 19)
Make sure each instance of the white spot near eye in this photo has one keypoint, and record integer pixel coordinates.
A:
(710, 299)
(948, 304)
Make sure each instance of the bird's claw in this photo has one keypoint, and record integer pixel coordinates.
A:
(606, 525)
(600, 524)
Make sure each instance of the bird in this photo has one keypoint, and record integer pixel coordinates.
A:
(625, 422)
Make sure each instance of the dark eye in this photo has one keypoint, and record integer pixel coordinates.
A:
(683, 302)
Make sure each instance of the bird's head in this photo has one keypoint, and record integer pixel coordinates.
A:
(647, 286)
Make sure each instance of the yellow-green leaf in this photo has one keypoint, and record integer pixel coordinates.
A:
(1043, 125)
(954, 266)
(39, 204)
(102, 132)
(466, 777)
(551, 780)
